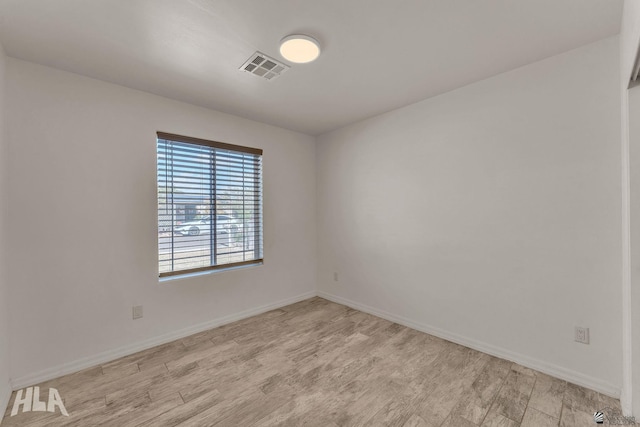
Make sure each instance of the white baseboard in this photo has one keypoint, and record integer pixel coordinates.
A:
(110, 355)
(101, 358)
(5, 396)
(529, 362)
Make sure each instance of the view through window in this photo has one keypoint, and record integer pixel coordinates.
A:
(209, 205)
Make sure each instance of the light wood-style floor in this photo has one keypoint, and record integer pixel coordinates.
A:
(314, 363)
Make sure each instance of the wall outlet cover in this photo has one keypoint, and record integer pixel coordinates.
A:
(137, 312)
(582, 335)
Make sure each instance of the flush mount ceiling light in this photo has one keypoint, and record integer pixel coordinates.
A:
(299, 48)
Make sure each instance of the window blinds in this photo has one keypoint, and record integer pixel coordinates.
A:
(209, 205)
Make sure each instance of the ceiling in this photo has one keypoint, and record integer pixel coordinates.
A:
(378, 55)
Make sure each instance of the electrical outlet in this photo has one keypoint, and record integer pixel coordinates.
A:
(335, 276)
(137, 312)
(582, 335)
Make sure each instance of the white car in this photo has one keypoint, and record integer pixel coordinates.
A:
(224, 223)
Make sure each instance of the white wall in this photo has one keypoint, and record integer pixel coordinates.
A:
(629, 41)
(489, 215)
(83, 228)
(634, 160)
(5, 388)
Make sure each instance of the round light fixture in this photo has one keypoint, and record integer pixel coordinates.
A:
(299, 48)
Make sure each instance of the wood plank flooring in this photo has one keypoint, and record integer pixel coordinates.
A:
(314, 363)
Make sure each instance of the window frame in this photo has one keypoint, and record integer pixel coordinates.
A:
(260, 230)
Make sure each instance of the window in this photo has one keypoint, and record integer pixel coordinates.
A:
(209, 205)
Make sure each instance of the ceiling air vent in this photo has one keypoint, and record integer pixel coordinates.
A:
(264, 66)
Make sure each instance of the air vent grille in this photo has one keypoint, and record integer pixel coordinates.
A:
(264, 66)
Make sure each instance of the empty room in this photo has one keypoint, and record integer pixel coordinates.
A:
(319, 213)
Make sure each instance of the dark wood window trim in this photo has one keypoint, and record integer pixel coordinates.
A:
(214, 144)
